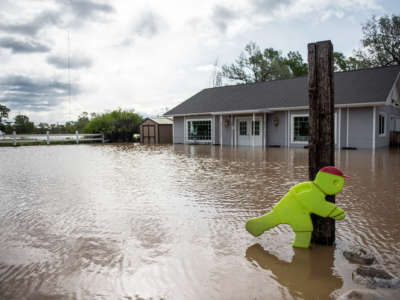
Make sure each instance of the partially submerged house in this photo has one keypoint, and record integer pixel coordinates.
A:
(275, 113)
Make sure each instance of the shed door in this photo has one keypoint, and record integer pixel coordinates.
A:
(149, 136)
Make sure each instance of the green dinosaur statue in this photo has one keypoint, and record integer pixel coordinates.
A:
(296, 206)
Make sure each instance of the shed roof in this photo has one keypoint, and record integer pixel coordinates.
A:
(351, 87)
(161, 121)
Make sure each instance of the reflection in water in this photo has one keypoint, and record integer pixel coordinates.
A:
(140, 222)
(308, 275)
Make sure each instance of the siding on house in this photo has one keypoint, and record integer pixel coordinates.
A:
(342, 122)
(178, 130)
(360, 127)
(276, 134)
(393, 114)
(226, 131)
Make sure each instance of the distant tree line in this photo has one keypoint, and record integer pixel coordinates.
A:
(381, 47)
(117, 125)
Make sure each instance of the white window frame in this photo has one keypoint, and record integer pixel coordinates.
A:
(198, 141)
(292, 116)
(384, 124)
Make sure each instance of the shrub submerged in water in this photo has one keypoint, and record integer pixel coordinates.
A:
(117, 126)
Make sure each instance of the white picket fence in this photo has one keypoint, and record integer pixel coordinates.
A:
(51, 137)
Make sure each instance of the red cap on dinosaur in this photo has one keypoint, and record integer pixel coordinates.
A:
(334, 171)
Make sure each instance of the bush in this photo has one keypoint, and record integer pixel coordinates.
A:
(117, 126)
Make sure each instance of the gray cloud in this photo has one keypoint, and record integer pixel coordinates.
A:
(31, 28)
(22, 46)
(25, 93)
(222, 16)
(82, 11)
(75, 62)
(148, 25)
(87, 8)
(267, 6)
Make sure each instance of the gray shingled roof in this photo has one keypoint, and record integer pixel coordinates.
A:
(361, 86)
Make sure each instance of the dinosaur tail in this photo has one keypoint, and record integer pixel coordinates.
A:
(257, 226)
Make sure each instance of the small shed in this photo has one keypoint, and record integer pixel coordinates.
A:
(156, 131)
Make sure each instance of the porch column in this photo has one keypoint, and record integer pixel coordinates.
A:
(264, 130)
(213, 128)
(347, 128)
(373, 127)
(288, 129)
(253, 128)
(339, 129)
(231, 130)
(184, 130)
(220, 130)
(173, 130)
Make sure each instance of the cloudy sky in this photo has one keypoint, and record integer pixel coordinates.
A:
(150, 55)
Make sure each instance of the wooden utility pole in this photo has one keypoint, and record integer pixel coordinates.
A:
(321, 133)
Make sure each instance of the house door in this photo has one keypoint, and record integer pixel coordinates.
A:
(249, 132)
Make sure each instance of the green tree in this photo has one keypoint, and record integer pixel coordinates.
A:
(381, 41)
(296, 64)
(340, 62)
(4, 110)
(117, 125)
(23, 125)
(42, 128)
(83, 120)
(254, 65)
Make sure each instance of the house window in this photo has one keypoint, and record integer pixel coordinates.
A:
(199, 130)
(382, 126)
(243, 128)
(300, 129)
(255, 130)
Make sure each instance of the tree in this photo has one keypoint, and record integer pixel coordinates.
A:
(117, 125)
(23, 125)
(256, 66)
(296, 64)
(42, 128)
(381, 41)
(83, 120)
(340, 62)
(4, 110)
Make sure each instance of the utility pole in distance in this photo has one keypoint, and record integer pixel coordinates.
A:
(321, 133)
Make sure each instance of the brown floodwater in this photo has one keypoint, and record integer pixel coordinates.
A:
(167, 222)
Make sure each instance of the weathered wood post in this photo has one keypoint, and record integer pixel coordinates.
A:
(48, 137)
(321, 120)
(14, 138)
(102, 137)
(77, 136)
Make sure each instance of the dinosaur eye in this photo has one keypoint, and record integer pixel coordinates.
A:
(336, 182)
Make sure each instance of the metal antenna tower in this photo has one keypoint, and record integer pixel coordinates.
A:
(69, 74)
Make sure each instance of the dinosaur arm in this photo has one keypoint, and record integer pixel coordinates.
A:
(313, 200)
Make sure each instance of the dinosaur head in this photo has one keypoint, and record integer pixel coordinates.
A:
(330, 180)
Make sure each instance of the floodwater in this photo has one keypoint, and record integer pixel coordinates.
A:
(167, 222)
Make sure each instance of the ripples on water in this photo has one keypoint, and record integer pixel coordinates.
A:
(134, 222)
